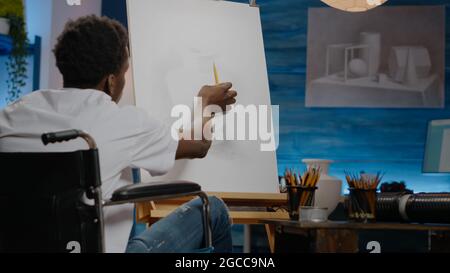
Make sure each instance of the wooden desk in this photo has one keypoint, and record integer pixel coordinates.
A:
(245, 208)
(349, 237)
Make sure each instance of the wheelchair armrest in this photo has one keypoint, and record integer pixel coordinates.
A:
(154, 191)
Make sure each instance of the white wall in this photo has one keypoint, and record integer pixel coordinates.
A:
(47, 19)
(39, 21)
(62, 13)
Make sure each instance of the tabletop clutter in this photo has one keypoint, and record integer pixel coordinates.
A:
(362, 202)
(301, 192)
(393, 203)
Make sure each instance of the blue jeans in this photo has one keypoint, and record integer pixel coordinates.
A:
(182, 231)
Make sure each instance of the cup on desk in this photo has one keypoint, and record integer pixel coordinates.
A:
(313, 214)
(362, 204)
(299, 196)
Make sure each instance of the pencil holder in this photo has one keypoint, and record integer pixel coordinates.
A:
(299, 196)
(362, 205)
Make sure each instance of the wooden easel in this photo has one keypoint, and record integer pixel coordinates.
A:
(245, 208)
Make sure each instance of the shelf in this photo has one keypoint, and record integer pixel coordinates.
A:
(33, 50)
(6, 45)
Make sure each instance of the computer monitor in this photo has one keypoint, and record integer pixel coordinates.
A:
(437, 149)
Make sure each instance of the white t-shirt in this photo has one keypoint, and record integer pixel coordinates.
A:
(126, 137)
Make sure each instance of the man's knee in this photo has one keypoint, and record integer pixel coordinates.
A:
(217, 204)
(219, 209)
(137, 245)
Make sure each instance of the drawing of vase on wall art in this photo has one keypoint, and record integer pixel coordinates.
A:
(363, 61)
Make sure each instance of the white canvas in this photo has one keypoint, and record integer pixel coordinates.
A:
(174, 44)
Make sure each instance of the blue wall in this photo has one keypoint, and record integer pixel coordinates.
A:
(388, 140)
(116, 9)
(4, 77)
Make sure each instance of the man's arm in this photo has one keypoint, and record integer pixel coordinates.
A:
(192, 149)
(219, 95)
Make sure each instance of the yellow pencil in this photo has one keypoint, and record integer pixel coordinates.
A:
(216, 74)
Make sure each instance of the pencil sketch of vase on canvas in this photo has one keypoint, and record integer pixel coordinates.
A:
(369, 64)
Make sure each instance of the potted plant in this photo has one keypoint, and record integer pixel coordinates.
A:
(4, 26)
(7, 8)
(16, 65)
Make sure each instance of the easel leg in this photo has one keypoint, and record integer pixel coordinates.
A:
(270, 230)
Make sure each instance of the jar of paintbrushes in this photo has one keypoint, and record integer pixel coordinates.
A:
(300, 190)
(362, 202)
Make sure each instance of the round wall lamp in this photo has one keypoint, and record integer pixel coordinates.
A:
(354, 5)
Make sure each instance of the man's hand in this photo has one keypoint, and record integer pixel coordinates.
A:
(220, 95)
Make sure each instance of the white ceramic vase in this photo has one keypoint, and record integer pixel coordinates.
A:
(372, 54)
(328, 193)
(4, 26)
